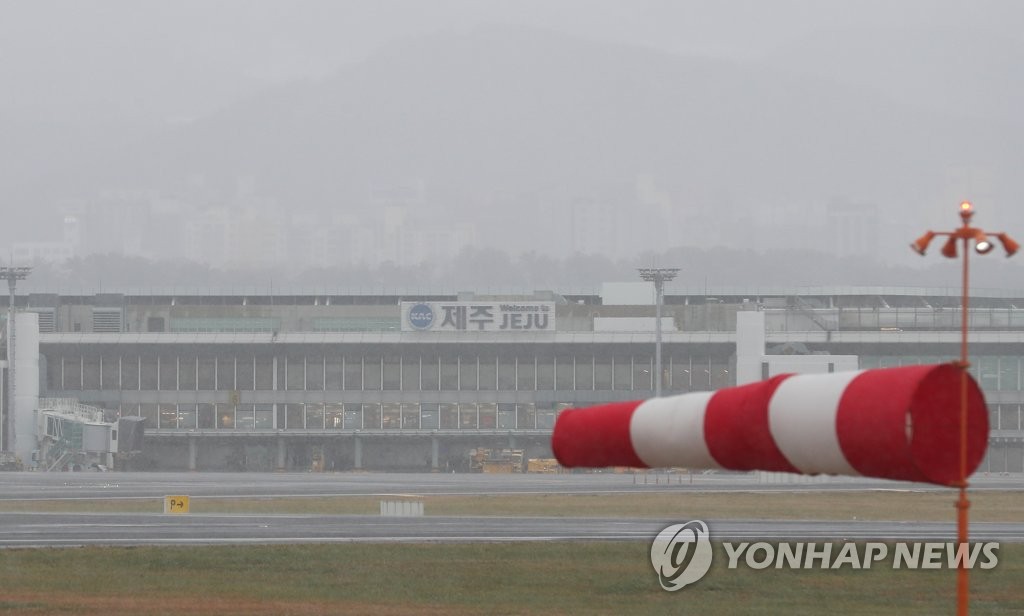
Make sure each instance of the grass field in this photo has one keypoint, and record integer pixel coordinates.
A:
(499, 578)
(548, 578)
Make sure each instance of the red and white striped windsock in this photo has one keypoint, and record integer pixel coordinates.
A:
(893, 423)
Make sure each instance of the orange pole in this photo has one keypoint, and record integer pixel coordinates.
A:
(963, 504)
(965, 233)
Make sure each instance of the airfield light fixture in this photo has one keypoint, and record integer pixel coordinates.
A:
(982, 245)
(949, 248)
(1009, 245)
(921, 244)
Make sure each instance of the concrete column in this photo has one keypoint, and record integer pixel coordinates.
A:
(750, 340)
(511, 441)
(358, 463)
(433, 453)
(282, 454)
(193, 452)
(22, 440)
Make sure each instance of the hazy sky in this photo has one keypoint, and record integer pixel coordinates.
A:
(82, 79)
(158, 58)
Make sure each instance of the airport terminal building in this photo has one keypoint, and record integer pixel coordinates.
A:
(247, 381)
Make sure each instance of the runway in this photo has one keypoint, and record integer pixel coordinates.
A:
(64, 530)
(29, 486)
(75, 529)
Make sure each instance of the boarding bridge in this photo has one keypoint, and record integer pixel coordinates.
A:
(74, 436)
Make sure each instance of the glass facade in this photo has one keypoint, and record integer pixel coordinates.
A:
(239, 387)
(992, 372)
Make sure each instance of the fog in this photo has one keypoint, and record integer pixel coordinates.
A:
(522, 143)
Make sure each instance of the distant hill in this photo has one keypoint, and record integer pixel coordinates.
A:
(487, 270)
(504, 125)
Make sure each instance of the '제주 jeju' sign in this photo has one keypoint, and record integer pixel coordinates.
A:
(478, 316)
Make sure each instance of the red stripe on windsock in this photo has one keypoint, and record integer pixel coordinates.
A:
(872, 422)
(904, 423)
(737, 431)
(596, 436)
(936, 444)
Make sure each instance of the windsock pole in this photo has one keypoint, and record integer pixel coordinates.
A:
(962, 504)
(965, 234)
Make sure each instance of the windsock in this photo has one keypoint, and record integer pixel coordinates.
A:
(891, 423)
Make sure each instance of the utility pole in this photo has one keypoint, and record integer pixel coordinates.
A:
(13, 275)
(659, 276)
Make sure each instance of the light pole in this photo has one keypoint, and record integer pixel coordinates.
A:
(964, 234)
(659, 276)
(13, 275)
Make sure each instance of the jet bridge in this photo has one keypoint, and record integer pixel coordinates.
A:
(74, 436)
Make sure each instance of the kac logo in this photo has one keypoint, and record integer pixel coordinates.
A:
(421, 316)
(681, 554)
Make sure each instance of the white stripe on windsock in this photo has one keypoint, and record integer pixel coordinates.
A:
(802, 417)
(670, 431)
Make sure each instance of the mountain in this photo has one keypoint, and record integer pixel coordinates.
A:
(507, 126)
